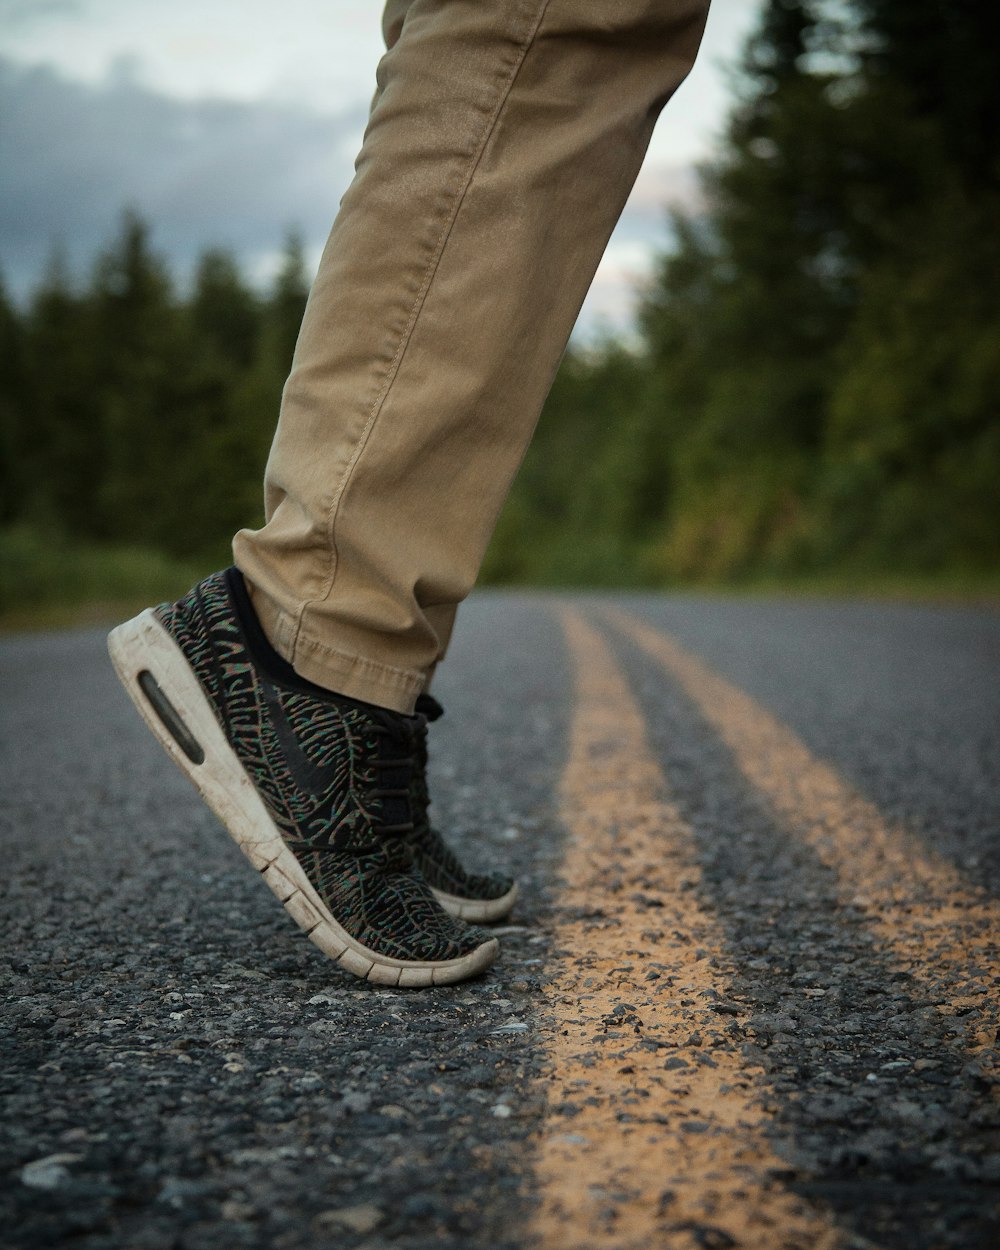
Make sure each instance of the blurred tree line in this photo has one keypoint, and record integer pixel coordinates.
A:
(813, 387)
(132, 415)
(817, 382)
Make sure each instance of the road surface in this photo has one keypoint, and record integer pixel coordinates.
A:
(748, 998)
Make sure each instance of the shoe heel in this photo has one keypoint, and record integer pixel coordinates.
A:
(166, 693)
(140, 651)
(170, 717)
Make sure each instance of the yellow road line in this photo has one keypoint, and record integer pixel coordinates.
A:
(933, 924)
(654, 1134)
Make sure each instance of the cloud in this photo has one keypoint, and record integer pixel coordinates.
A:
(18, 14)
(216, 172)
(204, 173)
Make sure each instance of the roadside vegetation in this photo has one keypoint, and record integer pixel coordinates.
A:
(815, 394)
(810, 398)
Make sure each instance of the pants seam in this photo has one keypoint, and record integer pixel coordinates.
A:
(407, 333)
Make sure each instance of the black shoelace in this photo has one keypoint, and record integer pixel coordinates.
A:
(391, 783)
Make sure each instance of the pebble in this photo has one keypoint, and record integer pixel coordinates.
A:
(360, 1219)
(239, 1211)
(49, 1172)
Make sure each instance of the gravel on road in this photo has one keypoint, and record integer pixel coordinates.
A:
(180, 1069)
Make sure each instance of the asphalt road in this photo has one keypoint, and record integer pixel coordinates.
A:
(749, 997)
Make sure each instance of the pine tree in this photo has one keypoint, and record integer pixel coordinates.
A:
(286, 305)
(942, 53)
(139, 362)
(793, 324)
(257, 399)
(67, 458)
(225, 315)
(15, 425)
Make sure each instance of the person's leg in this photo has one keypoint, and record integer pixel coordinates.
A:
(503, 140)
(502, 144)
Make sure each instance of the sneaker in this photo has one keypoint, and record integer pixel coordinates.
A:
(472, 896)
(312, 786)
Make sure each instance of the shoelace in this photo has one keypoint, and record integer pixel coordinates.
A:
(420, 798)
(428, 710)
(394, 789)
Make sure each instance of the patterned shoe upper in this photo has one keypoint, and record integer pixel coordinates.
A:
(334, 774)
(438, 863)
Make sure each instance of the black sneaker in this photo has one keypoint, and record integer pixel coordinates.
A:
(472, 896)
(313, 787)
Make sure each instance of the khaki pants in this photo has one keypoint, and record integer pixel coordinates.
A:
(504, 138)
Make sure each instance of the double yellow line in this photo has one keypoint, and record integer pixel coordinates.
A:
(928, 920)
(656, 1130)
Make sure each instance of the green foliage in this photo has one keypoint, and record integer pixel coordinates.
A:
(914, 417)
(41, 569)
(814, 394)
(15, 405)
(944, 56)
(818, 388)
(132, 416)
(585, 477)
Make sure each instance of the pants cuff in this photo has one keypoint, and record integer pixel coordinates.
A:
(342, 672)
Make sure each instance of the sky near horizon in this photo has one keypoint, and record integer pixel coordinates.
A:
(227, 122)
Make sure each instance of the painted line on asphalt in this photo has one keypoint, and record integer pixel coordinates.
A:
(655, 1132)
(932, 923)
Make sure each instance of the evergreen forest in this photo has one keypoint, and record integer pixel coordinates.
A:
(811, 394)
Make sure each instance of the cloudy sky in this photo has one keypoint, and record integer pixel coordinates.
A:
(227, 122)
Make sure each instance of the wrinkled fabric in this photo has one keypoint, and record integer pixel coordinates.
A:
(503, 140)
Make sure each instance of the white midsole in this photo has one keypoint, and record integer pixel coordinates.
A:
(144, 644)
(478, 910)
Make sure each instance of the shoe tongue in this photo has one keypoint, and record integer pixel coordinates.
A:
(429, 707)
(389, 720)
(400, 730)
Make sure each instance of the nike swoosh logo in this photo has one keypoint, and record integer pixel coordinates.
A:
(308, 775)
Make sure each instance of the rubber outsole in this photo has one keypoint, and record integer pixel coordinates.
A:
(477, 910)
(169, 697)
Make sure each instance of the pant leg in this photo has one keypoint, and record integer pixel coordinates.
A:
(503, 141)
